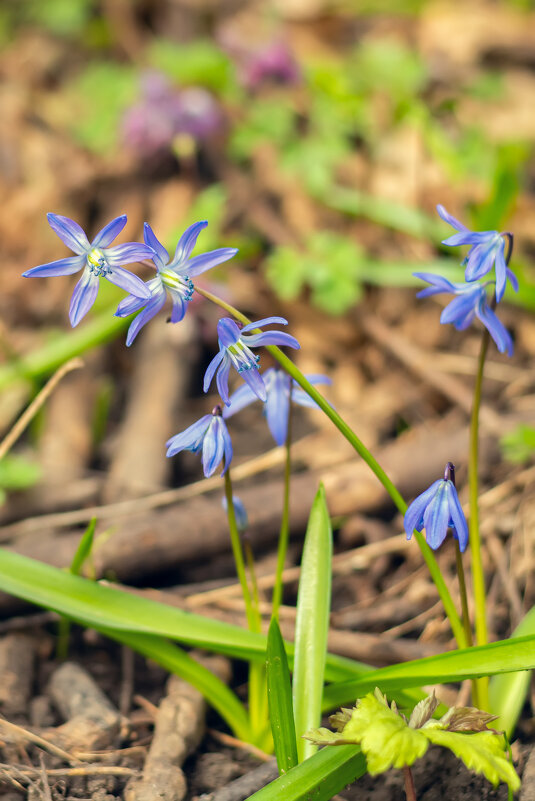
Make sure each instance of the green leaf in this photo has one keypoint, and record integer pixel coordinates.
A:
(481, 752)
(197, 63)
(312, 622)
(506, 656)
(518, 445)
(279, 689)
(508, 692)
(18, 473)
(318, 778)
(84, 548)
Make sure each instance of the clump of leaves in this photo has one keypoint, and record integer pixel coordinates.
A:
(519, 444)
(17, 473)
(388, 739)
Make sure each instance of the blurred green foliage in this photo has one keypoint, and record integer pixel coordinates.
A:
(197, 63)
(17, 473)
(519, 444)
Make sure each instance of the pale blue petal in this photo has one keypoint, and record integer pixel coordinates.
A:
(179, 307)
(414, 516)
(254, 379)
(161, 256)
(227, 446)
(213, 447)
(60, 267)
(151, 310)
(200, 264)
(187, 242)
(264, 321)
(271, 338)
(457, 518)
(128, 253)
(469, 238)
(243, 396)
(222, 380)
(106, 235)
(191, 439)
(512, 279)
(228, 332)
(133, 303)
(457, 310)
(436, 517)
(480, 261)
(501, 271)
(277, 407)
(438, 284)
(69, 232)
(83, 297)
(496, 329)
(212, 367)
(453, 221)
(129, 282)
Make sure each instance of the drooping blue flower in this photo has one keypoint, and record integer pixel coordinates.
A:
(470, 302)
(436, 510)
(172, 277)
(235, 351)
(277, 404)
(240, 512)
(96, 259)
(209, 434)
(488, 250)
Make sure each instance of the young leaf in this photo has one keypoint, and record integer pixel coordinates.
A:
(312, 622)
(280, 700)
(84, 548)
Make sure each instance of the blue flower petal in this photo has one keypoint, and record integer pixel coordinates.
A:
(191, 438)
(179, 307)
(277, 407)
(272, 338)
(222, 380)
(436, 517)
(453, 221)
(480, 260)
(513, 280)
(468, 238)
(161, 257)
(151, 309)
(213, 447)
(69, 232)
(414, 516)
(228, 332)
(264, 321)
(227, 447)
(254, 379)
(133, 303)
(128, 253)
(457, 517)
(187, 242)
(438, 284)
(212, 367)
(496, 329)
(200, 264)
(60, 267)
(239, 399)
(501, 270)
(83, 297)
(106, 235)
(458, 309)
(129, 282)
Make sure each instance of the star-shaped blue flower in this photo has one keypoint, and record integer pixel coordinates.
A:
(172, 277)
(470, 302)
(96, 259)
(436, 510)
(209, 434)
(235, 351)
(277, 404)
(488, 250)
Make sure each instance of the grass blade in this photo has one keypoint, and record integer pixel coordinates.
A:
(84, 548)
(319, 778)
(312, 623)
(508, 691)
(279, 688)
(506, 656)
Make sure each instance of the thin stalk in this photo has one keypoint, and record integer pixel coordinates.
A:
(238, 555)
(284, 533)
(478, 575)
(258, 700)
(249, 558)
(410, 790)
(465, 615)
(373, 464)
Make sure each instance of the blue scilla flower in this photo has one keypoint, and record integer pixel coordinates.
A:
(470, 302)
(488, 250)
(172, 277)
(235, 351)
(277, 404)
(209, 434)
(436, 510)
(96, 259)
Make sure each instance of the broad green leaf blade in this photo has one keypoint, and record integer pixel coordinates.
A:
(84, 548)
(508, 691)
(177, 661)
(93, 604)
(318, 778)
(505, 656)
(279, 689)
(312, 623)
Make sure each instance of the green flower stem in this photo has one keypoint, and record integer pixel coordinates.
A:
(478, 575)
(349, 434)
(284, 534)
(466, 615)
(257, 682)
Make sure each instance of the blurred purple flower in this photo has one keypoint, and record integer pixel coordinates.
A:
(277, 404)
(164, 112)
(97, 261)
(436, 510)
(470, 302)
(273, 63)
(235, 351)
(488, 250)
(209, 434)
(172, 277)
